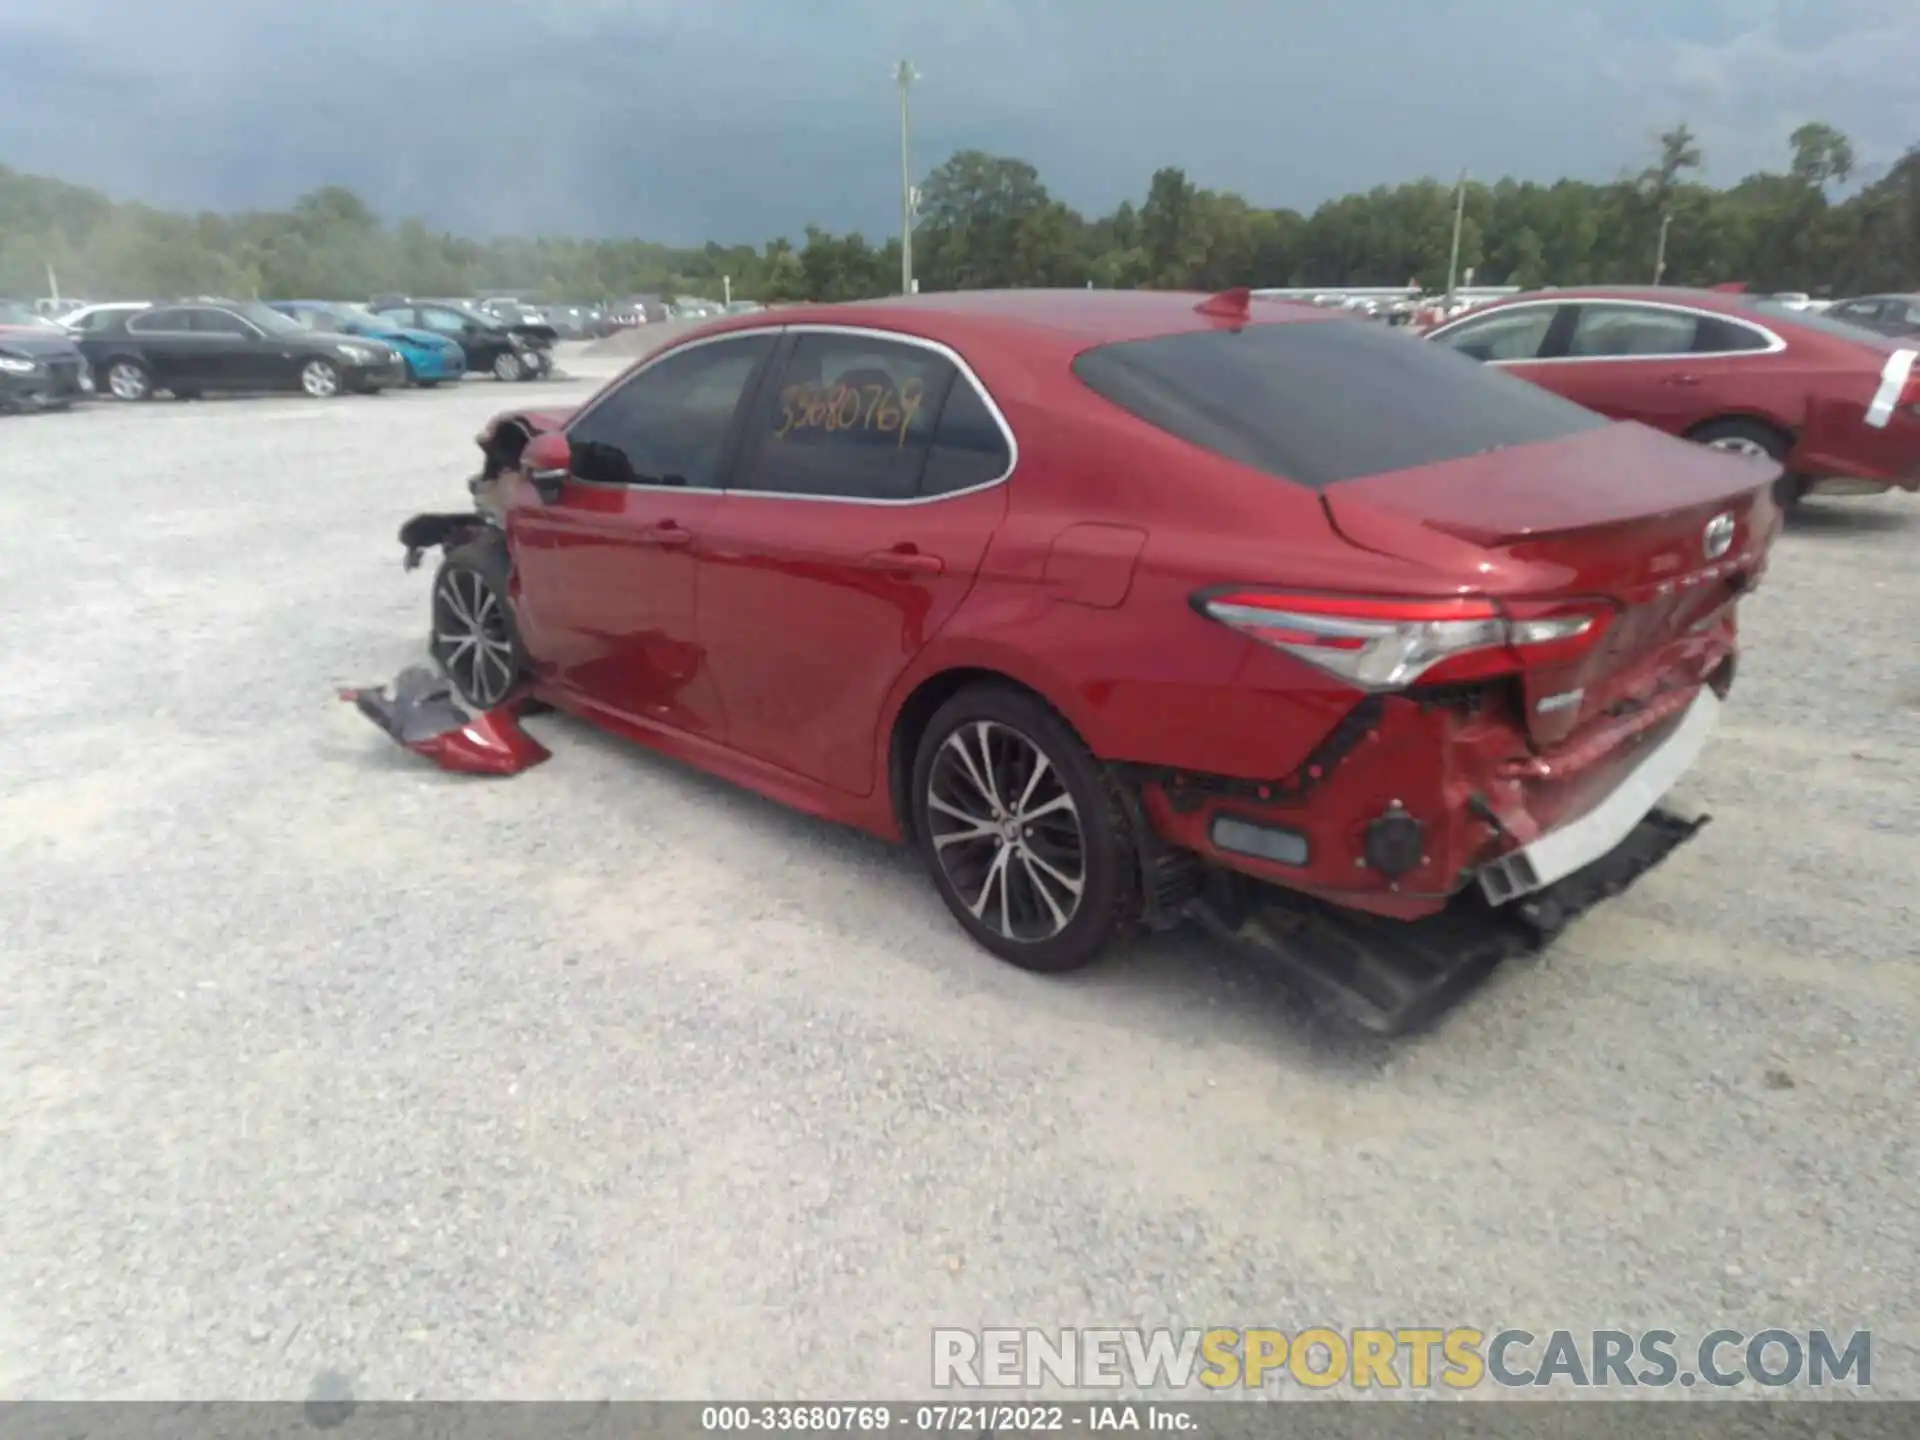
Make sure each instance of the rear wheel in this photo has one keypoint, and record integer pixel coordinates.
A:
(1761, 442)
(129, 380)
(475, 641)
(1023, 831)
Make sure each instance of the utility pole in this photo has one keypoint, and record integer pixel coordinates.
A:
(1660, 256)
(905, 76)
(1459, 219)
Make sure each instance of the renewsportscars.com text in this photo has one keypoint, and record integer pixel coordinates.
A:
(1459, 1358)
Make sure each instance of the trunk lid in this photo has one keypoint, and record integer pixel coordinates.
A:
(1665, 532)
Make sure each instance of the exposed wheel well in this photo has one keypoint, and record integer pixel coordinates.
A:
(911, 724)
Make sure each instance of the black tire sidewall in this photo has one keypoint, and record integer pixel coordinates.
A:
(486, 558)
(1109, 902)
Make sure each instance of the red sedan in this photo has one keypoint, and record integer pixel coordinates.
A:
(1835, 404)
(1124, 607)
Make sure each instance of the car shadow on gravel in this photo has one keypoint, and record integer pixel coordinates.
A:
(1848, 521)
(1182, 984)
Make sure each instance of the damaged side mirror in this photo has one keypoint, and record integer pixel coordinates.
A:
(548, 462)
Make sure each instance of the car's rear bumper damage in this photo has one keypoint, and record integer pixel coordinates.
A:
(1392, 976)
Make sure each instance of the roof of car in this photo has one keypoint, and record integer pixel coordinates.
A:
(1075, 319)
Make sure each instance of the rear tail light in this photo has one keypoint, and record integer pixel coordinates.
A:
(1388, 644)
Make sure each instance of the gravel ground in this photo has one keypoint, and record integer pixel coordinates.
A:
(320, 1064)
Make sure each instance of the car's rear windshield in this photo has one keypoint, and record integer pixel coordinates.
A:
(1321, 401)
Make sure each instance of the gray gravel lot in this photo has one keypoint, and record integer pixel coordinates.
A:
(612, 1080)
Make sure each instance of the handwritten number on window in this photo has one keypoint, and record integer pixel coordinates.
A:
(841, 408)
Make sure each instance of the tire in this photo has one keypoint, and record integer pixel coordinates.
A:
(186, 394)
(469, 598)
(129, 380)
(426, 384)
(408, 377)
(1750, 437)
(1037, 922)
(507, 367)
(321, 379)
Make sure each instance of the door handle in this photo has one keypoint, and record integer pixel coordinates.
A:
(1681, 380)
(669, 536)
(903, 557)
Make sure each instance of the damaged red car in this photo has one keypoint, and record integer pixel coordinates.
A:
(1131, 608)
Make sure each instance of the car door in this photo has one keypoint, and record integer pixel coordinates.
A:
(176, 357)
(865, 495)
(234, 352)
(606, 571)
(1667, 366)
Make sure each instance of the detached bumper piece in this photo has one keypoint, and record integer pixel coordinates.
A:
(1391, 977)
(422, 714)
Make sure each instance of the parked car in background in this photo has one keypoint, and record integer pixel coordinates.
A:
(580, 321)
(646, 309)
(429, 358)
(506, 351)
(89, 318)
(694, 307)
(41, 367)
(1484, 628)
(196, 347)
(1837, 406)
(513, 312)
(1894, 315)
(745, 307)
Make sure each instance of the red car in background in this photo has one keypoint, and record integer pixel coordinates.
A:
(1833, 403)
(1127, 606)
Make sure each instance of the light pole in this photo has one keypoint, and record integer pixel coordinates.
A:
(1459, 218)
(905, 76)
(1660, 255)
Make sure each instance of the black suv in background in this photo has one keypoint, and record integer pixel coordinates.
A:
(191, 347)
(507, 350)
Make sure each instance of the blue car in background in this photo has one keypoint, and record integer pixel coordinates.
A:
(430, 358)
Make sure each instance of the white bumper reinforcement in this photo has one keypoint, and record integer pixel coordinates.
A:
(1579, 843)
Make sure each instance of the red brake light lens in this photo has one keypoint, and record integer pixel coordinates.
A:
(1388, 644)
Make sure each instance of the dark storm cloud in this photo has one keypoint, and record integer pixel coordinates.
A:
(738, 119)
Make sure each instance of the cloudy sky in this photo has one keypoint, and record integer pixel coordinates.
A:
(683, 120)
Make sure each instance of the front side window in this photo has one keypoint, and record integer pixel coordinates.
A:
(669, 424)
(446, 322)
(852, 417)
(1515, 334)
(1612, 331)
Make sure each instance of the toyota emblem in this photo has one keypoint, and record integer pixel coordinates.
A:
(1717, 539)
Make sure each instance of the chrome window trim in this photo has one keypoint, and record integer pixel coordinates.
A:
(865, 332)
(1774, 342)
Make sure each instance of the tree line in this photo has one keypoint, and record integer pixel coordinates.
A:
(989, 220)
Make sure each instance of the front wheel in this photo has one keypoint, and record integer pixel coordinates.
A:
(507, 367)
(475, 641)
(320, 379)
(1023, 832)
(129, 380)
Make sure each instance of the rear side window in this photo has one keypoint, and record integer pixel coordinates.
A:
(1321, 401)
(1613, 331)
(969, 447)
(852, 418)
(160, 322)
(1723, 337)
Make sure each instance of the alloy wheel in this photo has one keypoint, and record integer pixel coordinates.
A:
(127, 381)
(320, 380)
(470, 637)
(1006, 832)
(507, 367)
